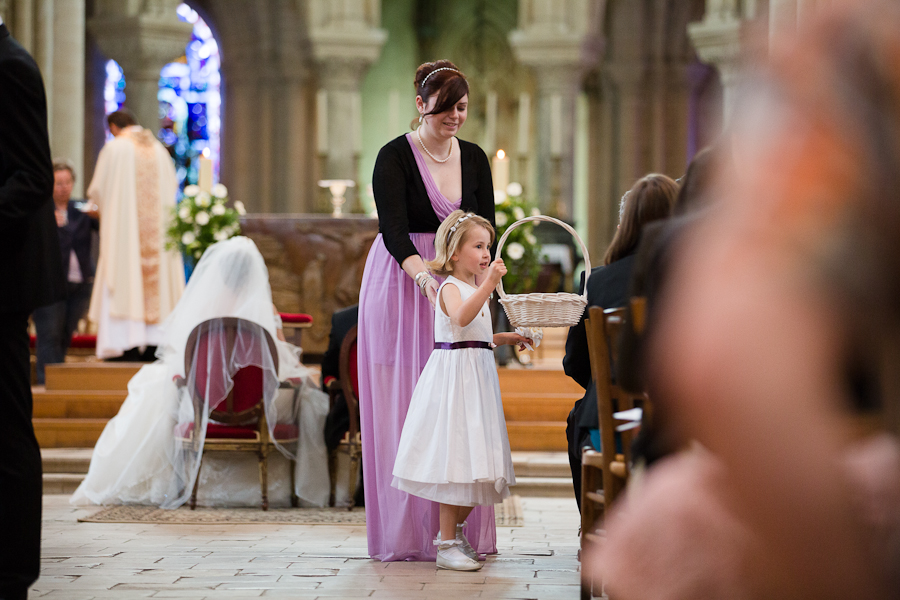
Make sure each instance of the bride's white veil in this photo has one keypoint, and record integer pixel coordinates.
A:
(231, 280)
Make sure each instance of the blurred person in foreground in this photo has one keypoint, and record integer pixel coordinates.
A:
(650, 199)
(31, 276)
(782, 298)
(55, 324)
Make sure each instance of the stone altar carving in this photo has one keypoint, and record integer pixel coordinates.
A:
(315, 265)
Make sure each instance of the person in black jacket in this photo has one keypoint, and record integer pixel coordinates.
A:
(31, 276)
(419, 179)
(650, 199)
(56, 323)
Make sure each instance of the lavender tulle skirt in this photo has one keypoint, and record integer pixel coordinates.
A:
(396, 336)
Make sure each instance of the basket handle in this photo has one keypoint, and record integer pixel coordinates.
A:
(564, 225)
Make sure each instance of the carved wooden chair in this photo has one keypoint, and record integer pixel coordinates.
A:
(605, 473)
(238, 423)
(351, 444)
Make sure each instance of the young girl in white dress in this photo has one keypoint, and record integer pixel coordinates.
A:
(454, 449)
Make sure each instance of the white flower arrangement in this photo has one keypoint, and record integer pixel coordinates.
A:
(201, 219)
(522, 251)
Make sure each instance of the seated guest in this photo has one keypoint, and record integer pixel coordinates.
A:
(338, 421)
(651, 198)
(56, 323)
(138, 459)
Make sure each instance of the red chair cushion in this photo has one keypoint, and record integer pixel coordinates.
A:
(83, 341)
(78, 341)
(283, 431)
(296, 318)
(248, 382)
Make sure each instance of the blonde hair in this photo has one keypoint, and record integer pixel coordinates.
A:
(450, 235)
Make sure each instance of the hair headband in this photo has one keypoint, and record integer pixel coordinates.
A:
(458, 221)
(435, 71)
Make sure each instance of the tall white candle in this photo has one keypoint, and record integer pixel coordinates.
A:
(556, 133)
(500, 171)
(524, 123)
(205, 175)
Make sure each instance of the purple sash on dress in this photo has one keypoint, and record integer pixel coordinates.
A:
(458, 345)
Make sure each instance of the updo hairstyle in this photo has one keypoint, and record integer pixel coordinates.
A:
(450, 85)
(450, 235)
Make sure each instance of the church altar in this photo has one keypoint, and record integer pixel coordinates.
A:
(315, 264)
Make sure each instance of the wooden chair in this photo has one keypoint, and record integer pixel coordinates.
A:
(605, 473)
(351, 444)
(238, 423)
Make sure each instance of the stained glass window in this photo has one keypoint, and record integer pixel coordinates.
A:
(189, 100)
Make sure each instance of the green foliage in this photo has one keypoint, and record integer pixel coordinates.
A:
(521, 250)
(201, 219)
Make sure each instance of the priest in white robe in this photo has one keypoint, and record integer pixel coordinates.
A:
(138, 281)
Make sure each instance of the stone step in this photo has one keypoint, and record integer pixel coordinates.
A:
(538, 407)
(543, 487)
(68, 433)
(543, 474)
(537, 381)
(89, 376)
(541, 464)
(66, 460)
(77, 404)
(62, 483)
(548, 436)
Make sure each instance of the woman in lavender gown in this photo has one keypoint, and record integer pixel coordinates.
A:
(419, 179)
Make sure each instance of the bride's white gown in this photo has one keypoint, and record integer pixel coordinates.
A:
(137, 458)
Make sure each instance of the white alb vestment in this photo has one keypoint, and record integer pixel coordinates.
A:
(454, 448)
(138, 281)
(139, 459)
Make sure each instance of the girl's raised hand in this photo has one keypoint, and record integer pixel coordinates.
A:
(496, 271)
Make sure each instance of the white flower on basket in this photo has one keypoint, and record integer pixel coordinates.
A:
(218, 209)
(190, 191)
(514, 189)
(515, 251)
(188, 238)
(202, 218)
(501, 219)
(499, 196)
(535, 212)
(529, 237)
(518, 213)
(203, 199)
(239, 207)
(185, 214)
(221, 235)
(219, 191)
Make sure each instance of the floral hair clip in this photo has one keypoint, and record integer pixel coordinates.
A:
(458, 221)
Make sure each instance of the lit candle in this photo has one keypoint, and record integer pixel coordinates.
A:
(205, 176)
(500, 171)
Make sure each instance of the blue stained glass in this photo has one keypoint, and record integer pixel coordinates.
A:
(190, 101)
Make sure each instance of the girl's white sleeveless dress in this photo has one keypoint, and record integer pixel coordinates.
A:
(454, 448)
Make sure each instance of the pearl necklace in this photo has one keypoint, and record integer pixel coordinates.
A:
(429, 153)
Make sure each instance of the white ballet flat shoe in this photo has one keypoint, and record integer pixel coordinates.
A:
(450, 556)
(464, 544)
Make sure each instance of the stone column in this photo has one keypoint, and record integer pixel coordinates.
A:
(142, 38)
(717, 39)
(560, 41)
(345, 40)
(66, 103)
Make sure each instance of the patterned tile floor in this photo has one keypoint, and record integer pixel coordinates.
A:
(82, 561)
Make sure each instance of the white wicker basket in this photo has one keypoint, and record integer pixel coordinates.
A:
(544, 310)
